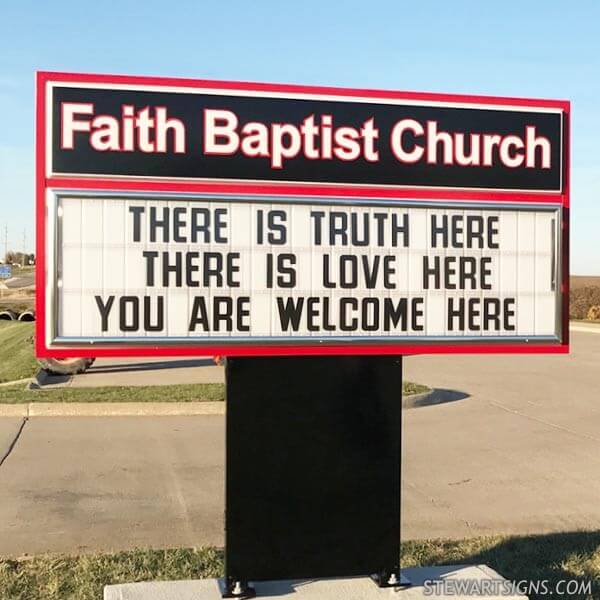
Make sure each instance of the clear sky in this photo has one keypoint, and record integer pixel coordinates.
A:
(546, 49)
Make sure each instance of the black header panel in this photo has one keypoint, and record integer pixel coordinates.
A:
(111, 132)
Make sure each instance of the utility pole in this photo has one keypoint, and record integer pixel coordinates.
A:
(24, 259)
(5, 242)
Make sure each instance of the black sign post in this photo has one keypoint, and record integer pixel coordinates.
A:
(312, 468)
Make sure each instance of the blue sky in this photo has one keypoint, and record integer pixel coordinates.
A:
(539, 49)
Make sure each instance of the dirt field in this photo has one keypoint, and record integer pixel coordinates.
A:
(585, 293)
(18, 299)
(579, 281)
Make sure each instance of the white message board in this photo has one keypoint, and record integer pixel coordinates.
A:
(147, 269)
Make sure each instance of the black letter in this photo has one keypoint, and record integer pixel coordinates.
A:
(277, 228)
(178, 223)
(428, 271)
(134, 302)
(435, 231)
(397, 229)
(150, 255)
(156, 223)
(454, 313)
(290, 312)
(199, 314)
(104, 310)
(243, 312)
(317, 216)
(137, 221)
(220, 224)
(160, 313)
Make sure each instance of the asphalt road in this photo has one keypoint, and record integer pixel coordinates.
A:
(518, 453)
(77, 484)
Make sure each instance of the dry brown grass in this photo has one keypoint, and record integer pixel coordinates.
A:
(582, 299)
(594, 313)
(551, 558)
(579, 281)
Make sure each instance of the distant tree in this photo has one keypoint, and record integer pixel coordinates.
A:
(14, 257)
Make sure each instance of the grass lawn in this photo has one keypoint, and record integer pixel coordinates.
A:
(16, 351)
(201, 392)
(28, 269)
(551, 557)
(409, 388)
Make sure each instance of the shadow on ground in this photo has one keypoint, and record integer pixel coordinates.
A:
(437, 396)
(153, 366)
(551, 557)
(42, 380)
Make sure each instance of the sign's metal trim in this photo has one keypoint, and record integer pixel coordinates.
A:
(53, 338)
(284, 199)
(303, 340)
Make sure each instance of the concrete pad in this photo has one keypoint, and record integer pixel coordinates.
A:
(124, 409)
(9, 430)
(144, 371)
(353, 588)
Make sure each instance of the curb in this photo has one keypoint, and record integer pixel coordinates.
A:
(123, 409)
(141, 409)
(14, 410)
(15, 382)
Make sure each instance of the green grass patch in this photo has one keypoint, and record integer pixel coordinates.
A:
(28, 269)
(409, 388)
(552, 557)
(84, 577)
(17, 360)
(200, 392)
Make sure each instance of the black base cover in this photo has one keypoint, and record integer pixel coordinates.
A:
(313, 467)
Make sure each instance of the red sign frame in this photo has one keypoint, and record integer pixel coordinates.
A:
(46, 181)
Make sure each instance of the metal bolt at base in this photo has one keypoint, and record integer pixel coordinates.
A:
(238, 589)
(391, 578)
